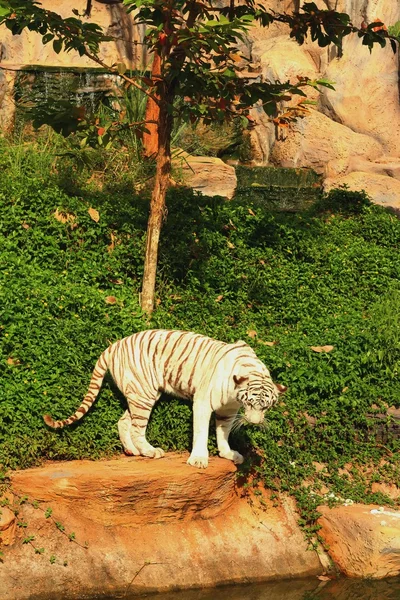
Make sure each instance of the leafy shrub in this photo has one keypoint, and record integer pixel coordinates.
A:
(284, 283)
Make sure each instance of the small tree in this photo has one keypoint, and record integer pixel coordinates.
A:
(195, 45)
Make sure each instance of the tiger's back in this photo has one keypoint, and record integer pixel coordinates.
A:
(176, 362)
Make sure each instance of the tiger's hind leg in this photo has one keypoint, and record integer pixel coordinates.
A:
(124, 430)
(225, 418)
(140, 409)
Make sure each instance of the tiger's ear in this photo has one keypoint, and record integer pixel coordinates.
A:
(238, 379)
(281, 388)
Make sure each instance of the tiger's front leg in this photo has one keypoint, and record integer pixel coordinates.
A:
(140, 409)
(124, 430)
(201, 419)
(225, 418)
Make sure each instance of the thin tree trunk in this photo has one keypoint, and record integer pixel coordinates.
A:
(157, 205)
(150, 139)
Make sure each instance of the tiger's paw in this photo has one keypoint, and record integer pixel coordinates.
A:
(154, 452)
(131, 450)
(201, 462)
(232, 455)
(158, 453)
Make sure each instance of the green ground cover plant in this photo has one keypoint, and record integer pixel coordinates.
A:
(71, 260)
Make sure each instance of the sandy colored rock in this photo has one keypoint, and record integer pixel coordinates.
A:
(282, 59)
(315, 140)
(205, 174)
(363, 540)
(8, 525)
(385, 165)
(382, 190)
(7, 104)
(389, 489)
(122, 491)
(172, 540)
(28, 49)
(366, 96)
(365, 99)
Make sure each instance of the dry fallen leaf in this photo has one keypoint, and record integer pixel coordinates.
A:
(274, 343)
(251, 333)
(94, 214)
(111, 247)
(25, 225)
(218, 298)
(110, 300)
(251, 212)
(64, 217)
(12, 361)
(322, 348)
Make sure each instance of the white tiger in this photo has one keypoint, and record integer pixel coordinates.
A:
(217, 376)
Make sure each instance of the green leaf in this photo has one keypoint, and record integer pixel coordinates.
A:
(121, 68)
(47, 38)
(57, 45)
(4, 11)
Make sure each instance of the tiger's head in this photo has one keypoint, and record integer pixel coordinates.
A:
(257, 393)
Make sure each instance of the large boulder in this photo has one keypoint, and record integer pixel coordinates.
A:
(7, 104)
(315, 140)
(206, 174)
(366, 95)
(382, 190)
(8, 523)
(150, 525)
(364, 541)
(282, 59)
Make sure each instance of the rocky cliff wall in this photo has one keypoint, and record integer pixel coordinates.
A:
(352, 137)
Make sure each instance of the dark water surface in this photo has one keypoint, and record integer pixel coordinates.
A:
(309, 589)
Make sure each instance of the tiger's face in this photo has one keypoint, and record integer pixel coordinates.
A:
(257, 394)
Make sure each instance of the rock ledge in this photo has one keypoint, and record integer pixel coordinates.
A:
(149, 526)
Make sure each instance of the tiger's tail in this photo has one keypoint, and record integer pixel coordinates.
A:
(99, 372)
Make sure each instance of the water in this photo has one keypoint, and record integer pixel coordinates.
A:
(308, 589)
(40, 87)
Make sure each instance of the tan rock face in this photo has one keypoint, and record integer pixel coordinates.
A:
(27, 48)
(383, 190)
(365, 101)
(315, 140)
(115, 487)
(282, 58)
(366, 96)
(364, 541)
(150, 526)
(8, 525)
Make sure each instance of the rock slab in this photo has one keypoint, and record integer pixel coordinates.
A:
(205, 174)
(363, 540)
(149, 526)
